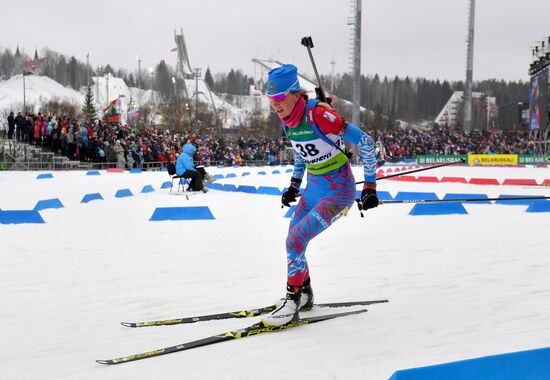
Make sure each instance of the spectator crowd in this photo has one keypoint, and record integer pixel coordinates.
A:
(127, 146)
(400, 143)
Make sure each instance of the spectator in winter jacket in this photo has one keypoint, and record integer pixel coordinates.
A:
(20, 123)
(37, 130)
(119, 151)
(11, 125)
(110, 154)
(186, 169)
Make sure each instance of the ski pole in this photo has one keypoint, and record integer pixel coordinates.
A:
(416, 201)
(464, 200)
(308, 43)
(461, 161)
(360, 206)
(416, 170)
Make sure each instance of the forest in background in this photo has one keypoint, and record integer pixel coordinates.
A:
(409, 99)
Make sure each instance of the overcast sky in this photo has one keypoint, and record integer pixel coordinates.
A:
(419, 38)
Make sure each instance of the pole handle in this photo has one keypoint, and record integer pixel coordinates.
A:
(319, 92)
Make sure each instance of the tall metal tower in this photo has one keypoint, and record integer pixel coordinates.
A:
(469, 69)
(355, 59)
(183, 67)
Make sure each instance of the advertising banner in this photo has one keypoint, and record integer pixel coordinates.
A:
(492, 159)
(431, 159)
(532, 159)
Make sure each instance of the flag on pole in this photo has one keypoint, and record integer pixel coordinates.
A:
(133, 113)
(113, 119)
(112, 104)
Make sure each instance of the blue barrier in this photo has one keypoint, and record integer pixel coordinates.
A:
(247, 189)
(48, 203)
(92, 172)
(515, 203)
(123, 193)
(163, 169)
(221, 166)
(539, 206)
(231, 175)
(166, 185)
(181, 213)
(245, 174)
(229, 187)
(449, 208)
(269, 190)
(91, 197)
(290, 212)
(20, 217)
(135, 170)
(218, 176)
(382, 195)
(44, 176)
(467, 196)
(261, 173)
(289, 170)
(531, 364)
(214, 186)
(409, 196)
(275, 172)
(147, 189)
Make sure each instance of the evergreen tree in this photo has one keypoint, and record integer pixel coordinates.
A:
(61, 71)
(130, 82)
(72, 73)
(7, 64)
(108, 69)
(208, 78)
(163, 80)
(89, 110)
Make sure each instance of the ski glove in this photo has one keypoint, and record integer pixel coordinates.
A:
(289, 195)
(369, 199)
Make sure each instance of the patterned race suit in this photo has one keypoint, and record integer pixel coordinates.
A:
(330, 189)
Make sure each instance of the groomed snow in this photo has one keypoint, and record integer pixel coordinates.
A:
(459, 286)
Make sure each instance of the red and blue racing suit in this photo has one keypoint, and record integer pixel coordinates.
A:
(330, 189)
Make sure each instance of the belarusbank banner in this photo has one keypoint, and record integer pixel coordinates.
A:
(533, 159)
(492, 159)
(431, 159)
(485, 159)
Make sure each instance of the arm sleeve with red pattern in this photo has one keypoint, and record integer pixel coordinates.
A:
(329, 121)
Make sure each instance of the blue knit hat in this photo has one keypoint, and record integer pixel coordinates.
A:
(282, 79)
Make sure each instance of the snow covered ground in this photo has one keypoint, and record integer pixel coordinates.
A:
(38, 90)
(459, 286)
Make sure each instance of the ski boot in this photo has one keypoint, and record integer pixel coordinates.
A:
(306, 299)
(287, 311)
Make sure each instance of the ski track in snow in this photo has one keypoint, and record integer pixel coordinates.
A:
(459, 286)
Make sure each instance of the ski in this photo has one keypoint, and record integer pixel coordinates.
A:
(255, 329)
(239, 314)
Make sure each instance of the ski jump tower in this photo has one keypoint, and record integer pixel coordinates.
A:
(183, 67)
(186, 75)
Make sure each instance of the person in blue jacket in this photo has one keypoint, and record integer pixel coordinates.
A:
(186, 168)
(317, 134)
